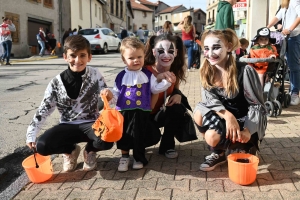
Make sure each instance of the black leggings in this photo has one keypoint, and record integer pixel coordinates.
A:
(63, 137)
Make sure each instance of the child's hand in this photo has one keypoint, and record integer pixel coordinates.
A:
(272, 56)
(169, 76)
(106, 92)
(31, 145)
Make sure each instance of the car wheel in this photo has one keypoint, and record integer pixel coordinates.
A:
(105, 50)
(118, 49)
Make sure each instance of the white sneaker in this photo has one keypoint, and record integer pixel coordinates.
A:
(137, 165)
(123, 164)
(295, 100)
(90, 162)
(70, 160)
(171, 153)
(188, 70)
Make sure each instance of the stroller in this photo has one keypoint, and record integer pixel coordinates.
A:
(274, 89)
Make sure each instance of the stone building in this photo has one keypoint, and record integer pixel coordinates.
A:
(28, 16)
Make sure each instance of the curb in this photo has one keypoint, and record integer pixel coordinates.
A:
(33, 59)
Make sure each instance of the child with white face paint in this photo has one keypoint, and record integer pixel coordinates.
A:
(136, 88)
(231, 114)
(165, 58)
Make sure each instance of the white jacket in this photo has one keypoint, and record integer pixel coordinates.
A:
(5, 31)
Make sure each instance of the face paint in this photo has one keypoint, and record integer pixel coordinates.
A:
(164, 53)
(215, 51)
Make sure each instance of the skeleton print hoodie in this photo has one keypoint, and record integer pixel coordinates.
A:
(83, 109)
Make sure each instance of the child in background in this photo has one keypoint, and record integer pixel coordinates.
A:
(75, 94)
(263, 48)
(242, 51)
(133, 87)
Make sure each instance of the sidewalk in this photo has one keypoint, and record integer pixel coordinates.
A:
(278, 175)
(32, 58)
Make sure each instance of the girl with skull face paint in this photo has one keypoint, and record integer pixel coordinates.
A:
(231, 114)
(165, 59)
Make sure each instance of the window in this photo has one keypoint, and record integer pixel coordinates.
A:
(117, 8)
(121, 9)
(156, 19)
(80, 9)
(160, 18)
(166, 17)
(144, 14)
(48, 3)
(112, 7)
(199, 16)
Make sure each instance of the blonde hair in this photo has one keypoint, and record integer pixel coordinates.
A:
(131, 43)
(188, 24)
(208, 71)
(285, 3)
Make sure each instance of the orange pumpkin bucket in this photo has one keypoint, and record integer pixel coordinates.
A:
(38, 168)
(242, 168)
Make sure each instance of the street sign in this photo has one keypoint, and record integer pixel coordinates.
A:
(240, 6)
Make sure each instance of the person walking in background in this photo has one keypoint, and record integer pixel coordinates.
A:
(52, 43)
(188, 37)
(225, 18)
(140, 34)
(5, 39)
(41, 37)
(290, 14)
(124, 33)
(167, 29)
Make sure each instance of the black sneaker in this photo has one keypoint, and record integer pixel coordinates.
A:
(212, 161)
(7, 63)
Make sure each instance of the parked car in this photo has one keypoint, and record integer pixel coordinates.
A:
(101, 39)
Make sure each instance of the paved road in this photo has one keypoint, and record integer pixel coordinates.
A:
(22, 87)
(278, 174)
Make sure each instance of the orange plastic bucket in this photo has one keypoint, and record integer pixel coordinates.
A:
(42, 173)
(242, 173)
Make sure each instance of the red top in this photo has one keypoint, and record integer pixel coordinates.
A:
(189, 35)
(161, 97)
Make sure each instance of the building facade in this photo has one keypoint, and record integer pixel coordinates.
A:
(115, 15)
(28, 16)
(199, 19)
(143, 16)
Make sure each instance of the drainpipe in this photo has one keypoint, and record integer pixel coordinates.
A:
(60, 22)
(91, 12)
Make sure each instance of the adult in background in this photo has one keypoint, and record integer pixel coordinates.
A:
(188, 37)
(124, 33)
(5, 38)
(140, 34)
(290, 14)
(167, 29)
(42, 41)
(225, 18)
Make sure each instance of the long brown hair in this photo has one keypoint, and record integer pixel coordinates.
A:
(167, 27)
(208, 71)
(178, 66)
(188, 24)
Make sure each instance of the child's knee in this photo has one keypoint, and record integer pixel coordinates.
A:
(41, 148)
(212, 138)
(198, 118)
(102, 145)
